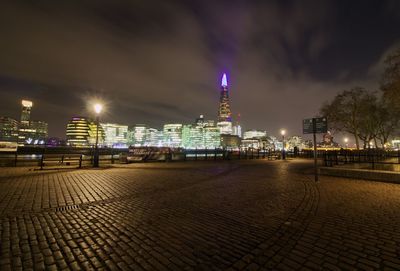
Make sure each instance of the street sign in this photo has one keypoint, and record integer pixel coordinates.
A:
(308, 126)
(321, 125)
(315, 125)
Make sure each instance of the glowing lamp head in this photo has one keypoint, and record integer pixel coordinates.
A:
(283, 132)
(346, 140)
(98, 108)
(224, 82)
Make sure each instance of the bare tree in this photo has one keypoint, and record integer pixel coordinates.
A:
(390, 84)
(346, 112)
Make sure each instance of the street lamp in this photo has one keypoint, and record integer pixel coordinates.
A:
(283, 132)
(97, 108)
(346, 140)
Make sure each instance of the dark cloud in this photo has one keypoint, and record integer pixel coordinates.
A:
(161, 61)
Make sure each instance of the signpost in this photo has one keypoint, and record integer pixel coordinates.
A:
(315, 126)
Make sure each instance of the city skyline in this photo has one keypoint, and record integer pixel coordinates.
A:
(158, 63)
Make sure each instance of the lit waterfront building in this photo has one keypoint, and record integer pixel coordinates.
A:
(81, 132)
(294, 141)
(202, 134)
(237, 130)
(254, 134)
(26, 111)
(154, 138)
(396, 143)
(137, 135)
(115, 135)
(224, 113)
(253, 143)
(172, 135)
(31, 132)
(8, 129)
(211, 137)
(34, 132)
(192, 136)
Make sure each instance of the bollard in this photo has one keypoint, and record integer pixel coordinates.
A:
(41, 162)
(80, 161)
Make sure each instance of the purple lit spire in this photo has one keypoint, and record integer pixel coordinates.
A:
(224, 82)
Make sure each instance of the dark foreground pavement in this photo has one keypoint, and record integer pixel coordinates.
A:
(199, 215)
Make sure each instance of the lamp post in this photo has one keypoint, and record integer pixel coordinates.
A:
(97, 109)
(346, 140)
(283, 132)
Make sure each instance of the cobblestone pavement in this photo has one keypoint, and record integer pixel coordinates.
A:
(197, 215)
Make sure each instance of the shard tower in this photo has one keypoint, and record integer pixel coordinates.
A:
(224, 113)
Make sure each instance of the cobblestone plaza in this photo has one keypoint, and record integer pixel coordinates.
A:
(229, 215)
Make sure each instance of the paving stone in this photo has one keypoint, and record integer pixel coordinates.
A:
(253, 214)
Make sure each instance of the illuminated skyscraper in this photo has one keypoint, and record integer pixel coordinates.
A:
(224, 113)
(26, 111)
(31, 132)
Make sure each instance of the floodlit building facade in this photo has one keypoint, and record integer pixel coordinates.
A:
(31, 132)
(254, 134)
(138, 135)
(224, 112)
(116, 135)
(26, 110)
(237, 130)
(172, 135)
(8, 129)
(211, 137)
(154, 138)
(81, 132)
(192, 137)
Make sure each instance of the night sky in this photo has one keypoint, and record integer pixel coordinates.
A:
(161, 61)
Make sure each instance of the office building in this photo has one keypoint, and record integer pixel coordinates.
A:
(254, 134)
(31, 132)
(8, 129)
(172, 135)
(26, 111)
(154, 138)
(192, 136)
(138, 135)
(116, 135)
(81, 132)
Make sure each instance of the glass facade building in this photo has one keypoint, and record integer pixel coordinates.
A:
(81, 132)
(224, 112)
(254, 134)
(172, 135)
(154, 138)
(116, 135)
(137, 135)
(8, 129)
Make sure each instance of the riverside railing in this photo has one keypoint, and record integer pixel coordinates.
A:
(83, 157)
(370, 158)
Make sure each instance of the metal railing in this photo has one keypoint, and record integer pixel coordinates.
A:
(370, 158)
(83, 157)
